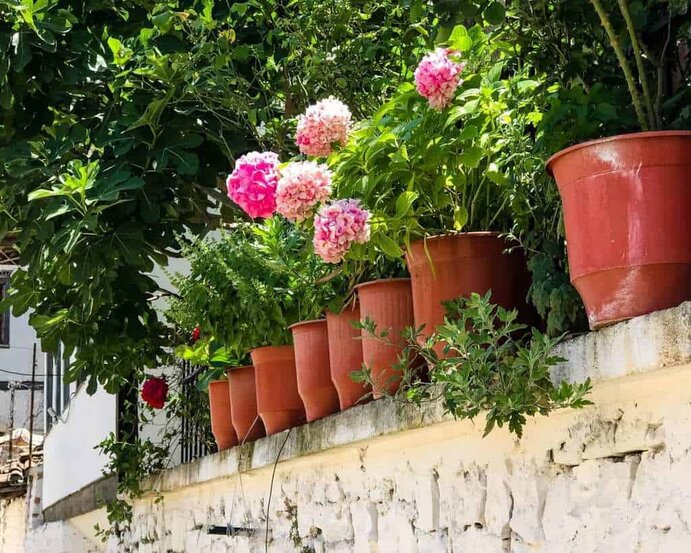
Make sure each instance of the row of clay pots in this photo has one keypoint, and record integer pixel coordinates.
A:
(311, 379)
(289, 385)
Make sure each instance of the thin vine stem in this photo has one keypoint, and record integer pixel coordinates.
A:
(625, 67)
(642, 77)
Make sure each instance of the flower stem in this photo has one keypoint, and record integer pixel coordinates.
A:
(628, 75)
(642, 77)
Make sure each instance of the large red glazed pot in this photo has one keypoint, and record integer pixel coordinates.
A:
(627, 212)
(221, 424)
(345, 355)
(443, 268)
(311, 341)
(389, 303)
(243, 404)
(278, 402)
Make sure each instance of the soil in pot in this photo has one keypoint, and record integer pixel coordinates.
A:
(243, 404)
(316, 389)
(389, 303)
(627, 206)
(443, 268)
(278, 401)
(221, 423)
(345, 355)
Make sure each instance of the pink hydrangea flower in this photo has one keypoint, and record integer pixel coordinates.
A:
(252, 184)
(324, 124)
(301, 186)
(337, 226)
(437, 77)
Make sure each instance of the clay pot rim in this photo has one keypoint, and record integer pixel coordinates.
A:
(305, 323)
(549, 165)
(219, 381)
(270, 346)
(231, 369)
(381, 280)
(454, 234)
(349, 307)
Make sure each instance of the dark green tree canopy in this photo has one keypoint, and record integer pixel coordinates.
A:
(118, 122)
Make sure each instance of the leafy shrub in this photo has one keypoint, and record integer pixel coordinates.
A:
(247, 287)
(481, 361)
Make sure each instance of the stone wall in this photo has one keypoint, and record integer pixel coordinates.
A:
(614, 477)
(12, 524)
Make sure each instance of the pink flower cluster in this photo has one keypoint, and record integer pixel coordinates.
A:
(252, 184)
(301, 186)
(437, 77)
(324, 124)
(337, 226)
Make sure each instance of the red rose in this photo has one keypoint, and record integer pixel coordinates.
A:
(195, 334)
(155, 391)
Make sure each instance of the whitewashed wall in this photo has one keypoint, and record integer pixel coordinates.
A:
(69, 458)
(380, 478)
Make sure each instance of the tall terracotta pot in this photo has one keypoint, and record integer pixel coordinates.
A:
(345, 355)
(243, 404)
(443, 268)
(627, 206)
(316, 390)
(221, 424)
(389, 303)
(278, 402)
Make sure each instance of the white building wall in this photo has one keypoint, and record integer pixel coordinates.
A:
(69, 456)
(15, 365)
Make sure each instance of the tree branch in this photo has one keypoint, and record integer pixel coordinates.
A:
(642, 77)
(628, 75)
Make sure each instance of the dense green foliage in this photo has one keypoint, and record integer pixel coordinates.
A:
(119, 122)
(246, 288)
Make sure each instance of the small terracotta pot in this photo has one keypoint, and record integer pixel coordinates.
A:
(278, 402)
(345, 355)
(443, 268)
(316, 390)
(243, 404)
(221, 424)
(389, 303)
(627, 206)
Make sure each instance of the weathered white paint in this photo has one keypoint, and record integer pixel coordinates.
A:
(379, 478)
(69, 458)
(12, 525)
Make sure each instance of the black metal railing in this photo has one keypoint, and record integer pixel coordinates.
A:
(196, 439)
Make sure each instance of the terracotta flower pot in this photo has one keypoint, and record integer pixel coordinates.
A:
(345, 355)
(627, 206)
(316, 390)
(243, 404)
(389, 303)
(221, 424)
(278, 402)
(443, 268)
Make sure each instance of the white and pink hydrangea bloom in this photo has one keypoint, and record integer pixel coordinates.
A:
(301, 186)
(321, 126)
(252, 184)
(437, 77)
(337, 226)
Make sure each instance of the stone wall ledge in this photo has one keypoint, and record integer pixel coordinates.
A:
(655, 342)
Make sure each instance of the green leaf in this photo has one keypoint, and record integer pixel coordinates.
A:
(471, 157)
(460, 217)
(389, 247)
(495, 13)
(459, 39)
(404, 202)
